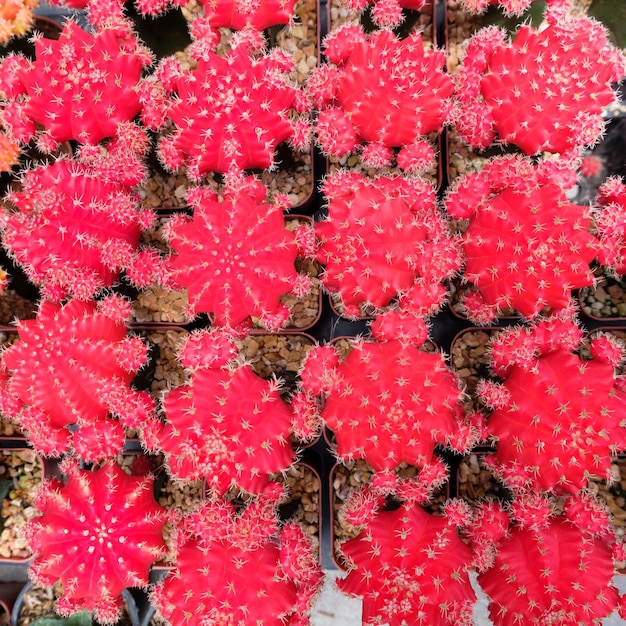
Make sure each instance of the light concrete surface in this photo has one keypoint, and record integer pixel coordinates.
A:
(335, 609)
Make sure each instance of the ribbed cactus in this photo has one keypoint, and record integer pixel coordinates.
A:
(383, 92)
(69, 375)
(410, 567)
(384, 238)
(98, 533)
(16, 18)
(526, 246)
(235, 256)
(543, 91)
(387, 13)
(239, 567)
(557, 418)
(256, 14)
(247, 103)
(610, 222)
(73, 231)
(227, 425)
(80, 87)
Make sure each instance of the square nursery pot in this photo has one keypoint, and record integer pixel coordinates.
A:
(35, 601)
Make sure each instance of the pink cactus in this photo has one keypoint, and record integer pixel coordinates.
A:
(226, 425)
(380, 91)
(80, 87)
(388, 403)
(256, 14)
(551, 569)
(410, 567)
(526, 246)
(610, 221)
(98, 533)
(69, 374)
(559, 418)
(267, 574)
(247, 104)
(387, 13)
(384, 238)
(247, 255)
(543, 91)
(509, 7)
(72, 230)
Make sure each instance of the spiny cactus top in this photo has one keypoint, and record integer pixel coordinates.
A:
(257, 14)
(387, 13)
(610, 222)
(388, 402)
(382, 91)
(72, 367)
(231, 112)
(550, 569)
(557, 418)
(239, 568)
(235, 256)
(72, 230)
(226, 425)
(410, 567)
(99, 533)
(526, 246)
(384, 238)
(80, 87)
(16, 18)
(543, 91)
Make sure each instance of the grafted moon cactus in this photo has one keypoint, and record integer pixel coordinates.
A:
(226, 425)
(256, 14)
(16, 18)
(235, 256)
(551, 569)
(509, 7)
(543, 91)
(380, 91)
(384, 238)
(80, 87)
(388, 402)
(69, 375)
(557, 418)
(410, 567)
(239, 567)
(98, 533)
(610, 222)
(73, 231)
(526, 246)
(247, 104)
(387, 13)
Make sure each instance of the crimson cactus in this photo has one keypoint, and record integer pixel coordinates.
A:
(410, 567)
(386, 13)
(267, 574)
(543, 91)
(384, 238)
(383, 92)
(247, 256)
(388, 402)
(226, 425)
(72, 230)
(98, 533)
(69, 374)
(557, 418)
(526, 246)
(509, 7)
(550, 569)
(258, 15)
(247, 104)
(80, 87)
(610, 222)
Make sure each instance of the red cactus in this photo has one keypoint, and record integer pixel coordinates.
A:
(246, 101)
(227, 424)
(80, 87)
(73, 231)
(543, 91)
(70, 373)
(549, 570)
(560, 418)
(384, 238)
(98, 534)
(509, 7)
(267, 575)
(386, 13)
(259, 15)
(610, 221)
(390, 402)
(247, 255)
(526, 246)
(378, 89)
(410, 568)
